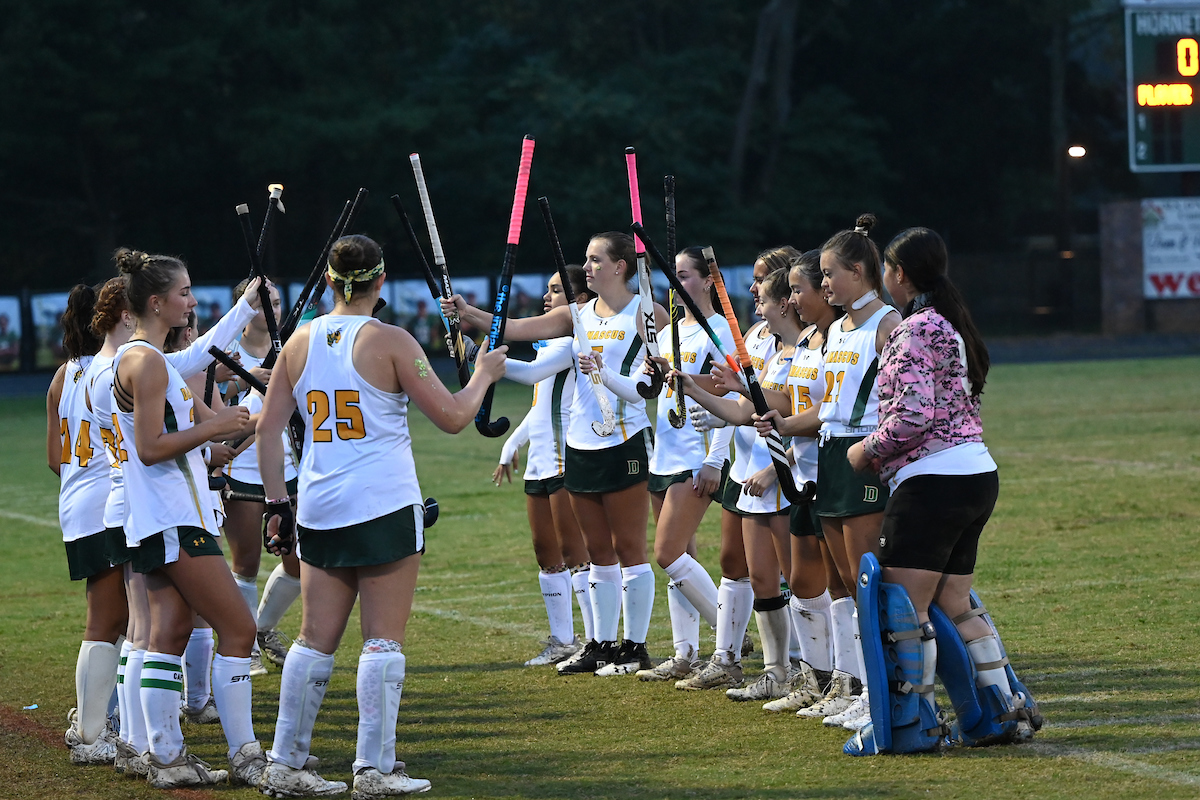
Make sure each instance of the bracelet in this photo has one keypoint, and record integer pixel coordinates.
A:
(284, 499)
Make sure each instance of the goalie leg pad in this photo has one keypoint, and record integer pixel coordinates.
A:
(1031, 713)
(903, 717)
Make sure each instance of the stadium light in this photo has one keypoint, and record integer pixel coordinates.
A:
(1077, 151)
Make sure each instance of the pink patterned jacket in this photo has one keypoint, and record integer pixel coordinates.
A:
(925, 403)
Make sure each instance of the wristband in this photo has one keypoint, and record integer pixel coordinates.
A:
(284, 499)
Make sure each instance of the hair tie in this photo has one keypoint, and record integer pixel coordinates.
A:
(861, 230)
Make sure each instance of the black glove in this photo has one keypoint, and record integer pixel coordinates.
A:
(286, 537)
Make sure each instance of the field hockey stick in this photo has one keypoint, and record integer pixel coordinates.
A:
(273, 204)
(645, 290)
(463, 368)
(210, 382)
(292, 320)
(783, 469)
(677, 416)
(355, 207)
(457, 340)
(608, 421)
(256, 271)
(295, 424)
(483, 420)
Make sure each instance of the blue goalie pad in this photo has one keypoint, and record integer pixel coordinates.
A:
(1031, 712)
(902, 721)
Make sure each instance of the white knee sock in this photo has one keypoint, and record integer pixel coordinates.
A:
(114, 699)
(249, 589)
(277, 597)
(197, 662)
(556, 593)
(735, 602)
(984, 651)
(301, 689)
(776, 630)
(637, 600)
(162, 683)
(380, 684)
(860, 663)
(95, 676)
(697, 586)
(605, 589)
(232, 694)
(138, 738)
(685, 623)
(929, 654)
(811, 619)
(845, 657)
(122, 695)
(579, 584)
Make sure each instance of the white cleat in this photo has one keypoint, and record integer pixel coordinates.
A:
(371, 784)
(843, 688)
(765, 688)
(675, 668)
(257, 669)
(185, 770)
(554, 652)
(101, 751)
(247, 765)
(280, 780)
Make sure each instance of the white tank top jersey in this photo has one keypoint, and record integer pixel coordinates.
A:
(621, 347)
(850, 401)
(680, 449)
(173, 492)
(805, 385)
(760, 346)
(244, 466)
(247, 361)
(357, 462)
(773, 377)
(550, 414)
(104, 416)
(83, 479)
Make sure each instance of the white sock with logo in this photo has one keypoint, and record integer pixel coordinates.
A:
(637, 600)
(735, 603)
(301, 689)
(232, 694)
(605, 588)
(697, 586)
(249, 589)
(685, 622)
(277, 597)
(579, 583)
(162, 683)
(556, 593)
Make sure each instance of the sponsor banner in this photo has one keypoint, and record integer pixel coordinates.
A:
(1171, 248)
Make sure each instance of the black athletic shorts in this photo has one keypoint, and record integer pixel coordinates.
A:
(544, 487)
(804, 521)
(610, 469)
(933, 522)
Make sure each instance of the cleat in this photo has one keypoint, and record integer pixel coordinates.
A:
(592, 657)
(204, 716)
(630, 658)
(806, 690)
(843, 688)
(674, 668)
(128, 761)
(256, 665)
(747, 645)
(713, 675)
(280, 780)
(554, 652)
(765, 688)
(370, 784)
(855, 710)
(247, 765)
(101, 751)
(185, 770)
(274, 645)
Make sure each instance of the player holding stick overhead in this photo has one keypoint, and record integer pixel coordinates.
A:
(557, 539)
(929, 448)
(606, 479)
(645, 288)
(359, 523)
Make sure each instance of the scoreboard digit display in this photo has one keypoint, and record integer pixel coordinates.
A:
(1162, 62)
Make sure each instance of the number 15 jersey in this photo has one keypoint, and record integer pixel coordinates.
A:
(357, 464)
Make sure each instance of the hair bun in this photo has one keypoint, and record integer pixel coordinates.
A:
(864, 223)
(130, 261)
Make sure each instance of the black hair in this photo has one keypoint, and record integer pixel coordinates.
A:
(78, 338)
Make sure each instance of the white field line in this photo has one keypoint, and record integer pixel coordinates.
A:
(17, 515)
(1104, 722)
(1120, 763)
(1125, 465)
(482, 622)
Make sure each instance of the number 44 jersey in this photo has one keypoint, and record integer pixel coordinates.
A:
(357, 463)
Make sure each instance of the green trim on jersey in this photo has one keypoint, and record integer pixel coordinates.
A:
(172, 425)
(634, 348)
(864, 394)
(707, 366)
(560, 382)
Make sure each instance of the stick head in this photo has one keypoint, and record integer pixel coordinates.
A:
(493, 429)
(276, 190)
(242, 209)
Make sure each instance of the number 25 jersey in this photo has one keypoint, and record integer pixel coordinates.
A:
(357, 463)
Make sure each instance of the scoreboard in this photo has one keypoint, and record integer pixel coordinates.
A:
(1162, 62)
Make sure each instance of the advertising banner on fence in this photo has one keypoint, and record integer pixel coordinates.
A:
(1171, 248)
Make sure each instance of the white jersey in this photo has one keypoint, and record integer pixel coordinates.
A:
(760, 346)
(773, 377)
(850, 403)
(244, 466)
(549, 416)
(805, 385)
(83, 479)
(623, 351)
(357, 460)
(681, 449)
(173, 492)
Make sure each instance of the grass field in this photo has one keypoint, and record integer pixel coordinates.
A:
(1090, 566)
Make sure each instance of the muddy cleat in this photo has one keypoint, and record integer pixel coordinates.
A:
(764, 688)
(101, 751)
(860, 707)
(630, 658)
(280, 780)
(714, 674)
(256, 665)
(594, 655)
(843, 688)
(274, 645)
(203, 716)
(185, 770)
(371, 784)
(806, 690)
(554, 652)
(125, 758)
(673, 669)
(247, 765)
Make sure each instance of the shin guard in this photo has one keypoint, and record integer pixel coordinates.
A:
(903, 718)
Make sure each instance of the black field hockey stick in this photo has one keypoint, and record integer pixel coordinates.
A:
(608, 421)
(359, 200)
(677, 416)
(645, 289)
(295, 424)
(292, 321)
(457, 340)
(483, 420)
(210, 382)
(264, 292)
(274, 203)
(463, 368)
